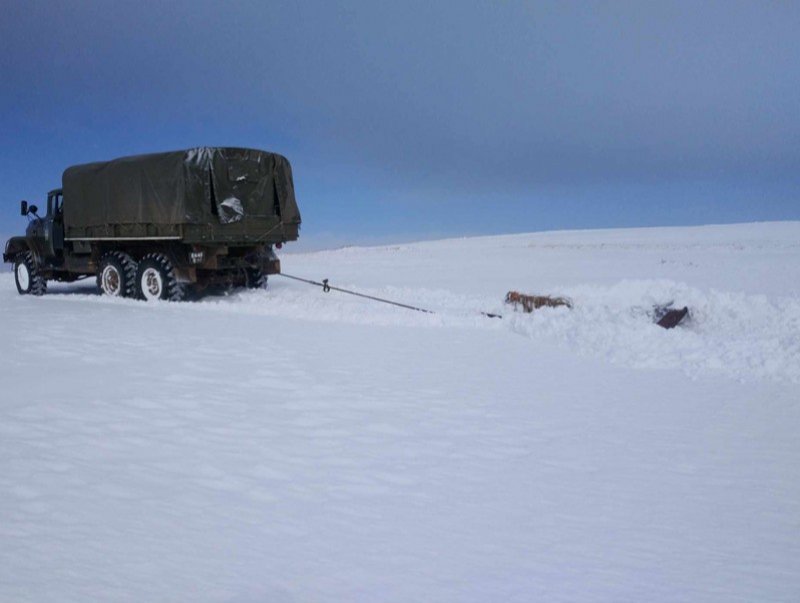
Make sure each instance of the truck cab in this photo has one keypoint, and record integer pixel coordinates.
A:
(46, 234)
(41, 250)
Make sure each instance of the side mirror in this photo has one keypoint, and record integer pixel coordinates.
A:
(33, 209)
(23, 208)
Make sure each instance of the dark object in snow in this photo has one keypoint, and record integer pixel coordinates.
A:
(153, 226)
(670, 318)
(530, 303)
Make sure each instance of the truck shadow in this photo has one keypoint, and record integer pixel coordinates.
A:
(91, 289)
(73, 289)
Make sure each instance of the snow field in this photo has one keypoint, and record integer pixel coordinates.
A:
(289, 445)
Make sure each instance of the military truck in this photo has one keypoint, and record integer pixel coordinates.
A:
(161, 226)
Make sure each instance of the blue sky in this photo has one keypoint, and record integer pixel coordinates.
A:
(412, 120)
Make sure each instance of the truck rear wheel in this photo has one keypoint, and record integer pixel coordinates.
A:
(256, 279)
(117, 275)
(27, 276)
(155, 279)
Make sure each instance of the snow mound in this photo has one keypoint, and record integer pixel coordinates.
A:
(734, 334)
(731, 334)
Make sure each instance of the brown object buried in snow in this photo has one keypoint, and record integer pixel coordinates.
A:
(672, 318)
(530, 303)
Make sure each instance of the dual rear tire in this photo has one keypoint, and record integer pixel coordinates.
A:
(256, 279)
(152, 278)
(119, 275)
(155, 279)
(116, 276)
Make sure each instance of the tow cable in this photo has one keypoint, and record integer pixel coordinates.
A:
(664, 315)
(327, 287)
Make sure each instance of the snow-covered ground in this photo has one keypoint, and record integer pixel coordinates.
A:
(292, 445)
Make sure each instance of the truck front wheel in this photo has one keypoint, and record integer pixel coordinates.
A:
(117, 275)
(27, 276)
(155, 279)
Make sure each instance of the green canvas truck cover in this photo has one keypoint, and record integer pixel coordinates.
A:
(204, 185)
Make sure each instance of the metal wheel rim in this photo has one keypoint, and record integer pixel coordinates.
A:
(111, 281)
(23, 276)
(152, 284)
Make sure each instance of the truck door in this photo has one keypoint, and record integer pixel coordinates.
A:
(54, 224)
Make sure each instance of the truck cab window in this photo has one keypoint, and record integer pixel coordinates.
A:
(54, 205)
